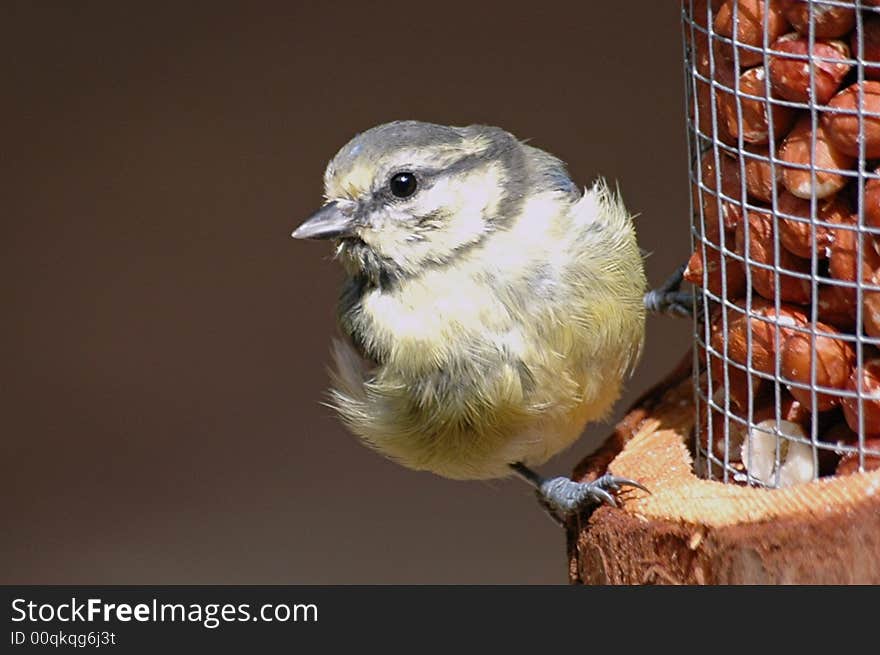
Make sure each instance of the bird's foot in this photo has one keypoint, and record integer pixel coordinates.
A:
(669, 299)
(561, 497)
(569, 497)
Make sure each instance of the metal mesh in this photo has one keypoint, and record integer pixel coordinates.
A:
(784, 134)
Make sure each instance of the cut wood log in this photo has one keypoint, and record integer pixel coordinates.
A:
(694, 531)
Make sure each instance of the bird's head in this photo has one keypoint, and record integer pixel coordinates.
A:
(408, 195)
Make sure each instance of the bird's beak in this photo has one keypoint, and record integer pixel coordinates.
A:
(329, 222)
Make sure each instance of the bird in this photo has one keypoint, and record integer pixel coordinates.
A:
(491, 308)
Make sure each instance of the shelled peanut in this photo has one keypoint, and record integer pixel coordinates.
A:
(786, 198)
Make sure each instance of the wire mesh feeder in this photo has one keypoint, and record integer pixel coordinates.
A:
(784, 137)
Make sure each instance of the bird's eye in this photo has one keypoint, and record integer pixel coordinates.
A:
(403, 185)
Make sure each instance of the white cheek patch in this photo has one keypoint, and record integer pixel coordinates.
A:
(537, 236)
(441, 218)
(465, 200)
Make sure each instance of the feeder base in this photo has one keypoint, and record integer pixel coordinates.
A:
(695, 531)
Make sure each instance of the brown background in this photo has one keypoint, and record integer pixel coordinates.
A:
(164, 341)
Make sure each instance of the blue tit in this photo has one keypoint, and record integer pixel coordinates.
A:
(491, 308)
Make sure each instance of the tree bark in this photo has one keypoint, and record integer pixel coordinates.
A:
(694, 531)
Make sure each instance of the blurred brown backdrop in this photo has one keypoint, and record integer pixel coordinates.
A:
(164, 341)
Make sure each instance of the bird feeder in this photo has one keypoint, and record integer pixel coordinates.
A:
(762, 451)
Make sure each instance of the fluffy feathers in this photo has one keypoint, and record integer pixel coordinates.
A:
(490, 316)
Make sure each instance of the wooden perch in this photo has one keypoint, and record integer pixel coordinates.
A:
(695, 531)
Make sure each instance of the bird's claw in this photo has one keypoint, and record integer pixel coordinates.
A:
(563, 496)
(669, 299)
(616, 483)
